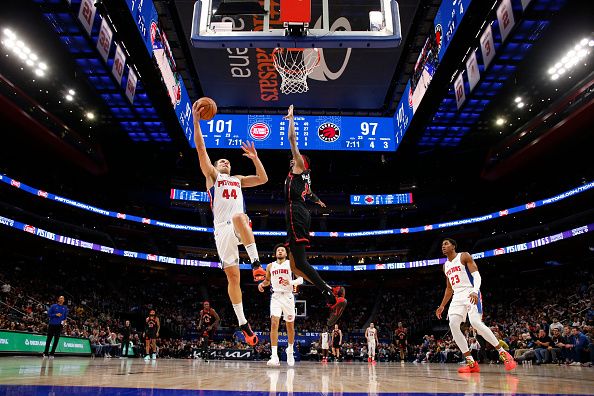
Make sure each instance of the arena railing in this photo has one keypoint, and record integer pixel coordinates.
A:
(335, 234)
(543, 241)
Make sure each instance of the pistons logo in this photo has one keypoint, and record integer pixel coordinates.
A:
(259, 131)
(329, 132)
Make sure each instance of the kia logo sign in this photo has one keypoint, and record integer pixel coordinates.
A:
(404, 230)
(531, 205)
(499, 251)
(30, 229)
(503, 212)
(42, 194)
(15, 183)
(259, 131)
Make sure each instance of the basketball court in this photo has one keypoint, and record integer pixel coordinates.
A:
(131, 377)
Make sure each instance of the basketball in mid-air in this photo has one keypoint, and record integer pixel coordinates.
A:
(208, 108)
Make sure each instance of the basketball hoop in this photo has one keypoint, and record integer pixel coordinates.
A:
(294, 65)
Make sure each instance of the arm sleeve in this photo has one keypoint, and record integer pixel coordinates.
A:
(313, 197)
(296, 282)
(477, 281)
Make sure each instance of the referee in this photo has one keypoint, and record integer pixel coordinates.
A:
(57, 317)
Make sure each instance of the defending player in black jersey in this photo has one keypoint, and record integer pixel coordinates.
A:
(297, 190)
(209, 322)
(151, 333)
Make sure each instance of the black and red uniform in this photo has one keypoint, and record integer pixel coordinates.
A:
(297, 217)
(206, 319)
(401, 337)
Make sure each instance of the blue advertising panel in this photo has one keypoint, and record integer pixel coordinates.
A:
(145, 18)
(516, 248)
(448, 17)
(382, 199)
(313, 132)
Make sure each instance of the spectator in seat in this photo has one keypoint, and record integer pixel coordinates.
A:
(542, 344)
(555, 349)
(555, 325)
(580, 343)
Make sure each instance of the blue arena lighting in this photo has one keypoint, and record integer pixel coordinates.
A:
(340, 234)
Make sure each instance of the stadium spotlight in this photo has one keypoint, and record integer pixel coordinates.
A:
(69, 98)
(90, 115)
(19, 48)
(500, 121)
(71, 92)
(574, 56)
(518, 99)
(520, 105)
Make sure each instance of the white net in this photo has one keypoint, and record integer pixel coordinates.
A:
(294, 65)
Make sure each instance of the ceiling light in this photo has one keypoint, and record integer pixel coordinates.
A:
(33, 57)
(90, 115)
(554, 76)
(520, 105)
(500, 121)
(591, 43)
(518, 99)
(19, 43)
(71, 92)
(29, 62)
(552, 70)
(584, 42)
(39, 72)
(561, 71)
(69, 98)
(42, 66)
(9, 33)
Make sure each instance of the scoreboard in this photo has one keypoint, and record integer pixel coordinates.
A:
(313, 132)
(383, 199)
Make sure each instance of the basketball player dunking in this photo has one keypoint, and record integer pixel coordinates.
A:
(297, 217)
(231, 224)
(372, 342)
(336, 342)
(463, 281)
(282, 302)
(209, 322)
(151, 333)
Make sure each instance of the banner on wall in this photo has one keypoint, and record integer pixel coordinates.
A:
(472, 70)
(131, 85)
(505, 16)
(487, 46)
(104, 40)
(30, 343)
(459, 90)
(86, 14)
(119, 62)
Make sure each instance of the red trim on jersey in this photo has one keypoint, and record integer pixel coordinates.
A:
(291, 213)
(209, 197)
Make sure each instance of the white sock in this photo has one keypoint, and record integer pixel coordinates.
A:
(501, 350)
(469, 358)
(290, 348)
(238, 308)
(252, 251)
(274, 351)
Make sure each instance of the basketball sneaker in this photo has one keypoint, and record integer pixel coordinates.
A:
(508, 360)
(274, 361)
(147, 357)
(250, 337)
(336, 310)
(471, 367)
(369, 359)
(258, 272)
(290, 359)
(154, 356)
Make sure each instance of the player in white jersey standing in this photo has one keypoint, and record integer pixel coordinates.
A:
(231, 224)
(463, 281)
(372, 342)
(325, 343)
(282, 302)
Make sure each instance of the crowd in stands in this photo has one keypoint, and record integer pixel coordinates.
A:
(542, 317)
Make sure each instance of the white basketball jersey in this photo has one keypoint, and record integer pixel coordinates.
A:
(459, 277)
(278, 273)
(325, 340)
(371, 334)
(226, 198)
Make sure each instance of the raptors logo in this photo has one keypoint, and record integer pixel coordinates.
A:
(329, 132)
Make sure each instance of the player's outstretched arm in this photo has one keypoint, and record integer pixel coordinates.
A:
(249, 150)
(299, 166)
(208, 170)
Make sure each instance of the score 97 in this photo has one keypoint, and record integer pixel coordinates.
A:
(368, 128)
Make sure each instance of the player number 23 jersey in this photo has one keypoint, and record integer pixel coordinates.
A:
(226, 198)
(458, 276)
